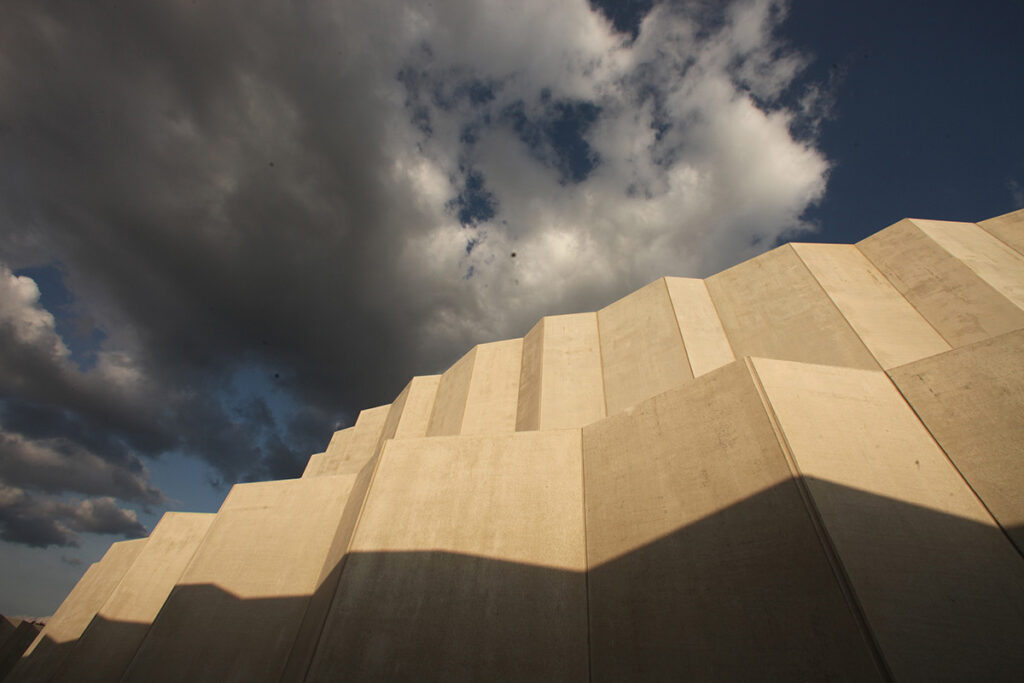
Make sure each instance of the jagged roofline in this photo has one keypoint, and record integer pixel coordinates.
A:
(803, 467)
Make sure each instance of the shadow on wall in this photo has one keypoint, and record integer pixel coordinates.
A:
(745, 594)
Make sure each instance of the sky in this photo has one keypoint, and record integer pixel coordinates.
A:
(226, 227)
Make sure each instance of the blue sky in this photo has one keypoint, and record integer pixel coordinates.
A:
(228, 227)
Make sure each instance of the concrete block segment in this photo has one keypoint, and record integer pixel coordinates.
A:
(990, 259)
(889, 326)
(351, 448)
(235, 612)
(704, 562)
(972, 401)
(419, 403)
(707, 347)
(315, 464)
(108, 644)
(467, 564)
(480, 393)
(941, 586)
(560, 384)
(51, 647)
(642, 350)
(961, 306)
(15, 638)
(1009, 228)
(772, 306)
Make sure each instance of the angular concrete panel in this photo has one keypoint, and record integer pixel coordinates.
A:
(707, 347)
(992, 260)
(888, 324)
(772, 306)
(561, 384)
(941, 586)
(494, 390)
(972, 401)
(1008, 228)
(52, 646)
(351, 448)
(704, 562)
(642, 350)
(106, 647)
(467, 564)
(419, 403)
(961, 306)
(235, 612)
(450, 401)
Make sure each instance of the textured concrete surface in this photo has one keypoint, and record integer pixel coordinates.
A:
(641, 348)
(972, 401)
(707, 347)
(940, 584)
(704, 562)
(476, 545)
(15, 638)
(494, 390)
(235, 612)
(450, 401)
(105, 649)
(51, 647)
(419, 402)
(560, 385)
(889, 326)
(1009, 228)
(772, 306)
(961, 306)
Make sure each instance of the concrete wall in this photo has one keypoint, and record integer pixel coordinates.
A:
(419, 403)
(886, 323)
(106, 647)
(642, 350)
(51, 647)
(704, 562)
(1009, 228)
(941, 586)
(235, 612)
(972, 401)
(351, 448)
(772, 306)
(494, 390)
(961, 306)
(560, 385)
(467, 564)
(450, 400)
(707, 347)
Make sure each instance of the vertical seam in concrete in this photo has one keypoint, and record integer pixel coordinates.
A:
(469, 390)
(835, 306)
(600, 355)
(893, 284)
(540, 377)
(827, 546)
(586, 555)
(344, 556)
(675, 316)
(718, 316)
(952, 462)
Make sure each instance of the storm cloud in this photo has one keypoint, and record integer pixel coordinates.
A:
(264, 217)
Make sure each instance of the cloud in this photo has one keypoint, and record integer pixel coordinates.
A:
(274, 215)
(42, 521)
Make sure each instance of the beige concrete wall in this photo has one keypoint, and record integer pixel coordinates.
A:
(351, 448)
(990, 259)
(1009, 228)
(959, 304)
(972, 401)
(419, 403)
(772, 306)
(704, 562)
(494, 390)
(51, 647)
(642, 350)
(106, 647)
(707, 347)
(941, 586)
(888, 324)
(235, 612)
(561, 384)
(467, 564)
(315, 464)
(450, 401)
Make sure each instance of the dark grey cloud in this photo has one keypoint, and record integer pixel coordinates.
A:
(268, 216)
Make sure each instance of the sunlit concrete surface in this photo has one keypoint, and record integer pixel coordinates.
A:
(806, 467)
